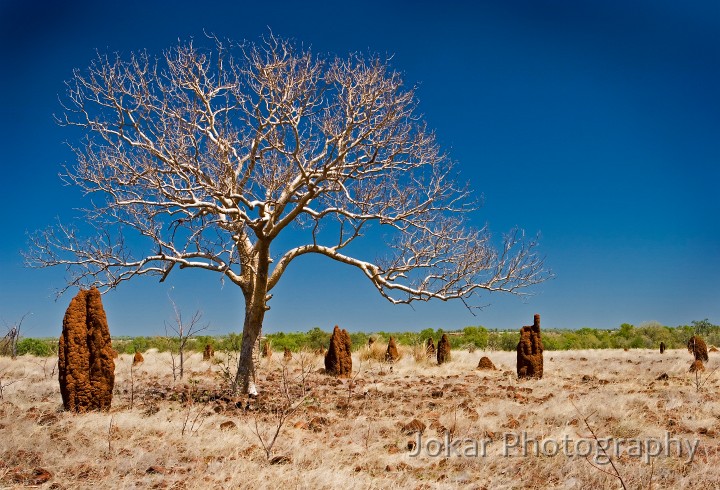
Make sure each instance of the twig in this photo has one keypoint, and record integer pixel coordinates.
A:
(190, 403)
(698, 384)
(351, 384)
(4, 384)
(281, 416)
(612, 464)
(110, 434)
(132, 385)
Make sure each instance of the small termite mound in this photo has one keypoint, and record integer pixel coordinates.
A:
(208, 353)
(443, 349)
(697, 366)
(267, 350)
(338, 360)
(530, 351)
(392, 354)
(697, 347)
(486, 363)
(430, 348)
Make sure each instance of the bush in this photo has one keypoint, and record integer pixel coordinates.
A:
(36, 347)
(229, 343)
(137, 344)
(477, 336)
(375, 352)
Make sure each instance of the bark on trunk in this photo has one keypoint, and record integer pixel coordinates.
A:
(245, 378)
(255, 307)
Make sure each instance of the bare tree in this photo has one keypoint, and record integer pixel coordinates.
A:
(207, 156)
(183, 330)
(9, 343)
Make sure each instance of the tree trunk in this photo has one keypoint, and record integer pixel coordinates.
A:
(255, 307)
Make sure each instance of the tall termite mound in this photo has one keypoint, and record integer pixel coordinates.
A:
(443, 349)
(86, 369)
(697, 347)
(392, 354)
(338, 360)
(530, 351)
(430, 349)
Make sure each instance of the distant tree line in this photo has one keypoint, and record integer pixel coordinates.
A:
(646, 336)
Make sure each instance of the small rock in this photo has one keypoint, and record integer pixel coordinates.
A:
(414, 426)
(38, 476)
(48, 419)
(281, 459)
(228, 425)
(317, 423)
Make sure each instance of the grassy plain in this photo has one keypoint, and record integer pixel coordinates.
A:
(356, 433)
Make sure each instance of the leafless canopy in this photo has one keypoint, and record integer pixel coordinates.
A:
(202, 157)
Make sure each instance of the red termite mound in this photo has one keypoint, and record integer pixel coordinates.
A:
(530, 351)
(86, 369)
(486, 363)
(338, 360)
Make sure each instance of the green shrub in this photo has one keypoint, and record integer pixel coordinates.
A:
(36, 347)
(136, 344)
(229, 343)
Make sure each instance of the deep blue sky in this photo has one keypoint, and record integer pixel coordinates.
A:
(595, 123)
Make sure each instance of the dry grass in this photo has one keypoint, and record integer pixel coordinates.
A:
(348, 433)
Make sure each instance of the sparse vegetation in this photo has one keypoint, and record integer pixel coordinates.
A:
(195, 433)
(646, 336)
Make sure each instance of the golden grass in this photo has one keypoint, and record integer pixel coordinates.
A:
(171, 437)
